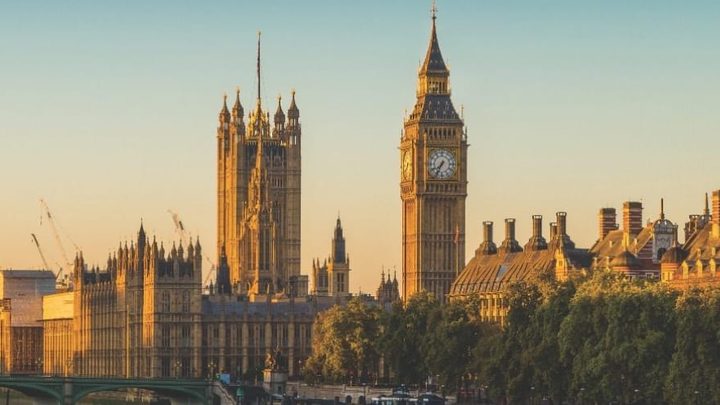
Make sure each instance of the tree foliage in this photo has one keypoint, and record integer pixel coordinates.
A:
(601, 338)
(345, 342)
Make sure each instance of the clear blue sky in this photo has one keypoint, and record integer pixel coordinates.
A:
(108, 110)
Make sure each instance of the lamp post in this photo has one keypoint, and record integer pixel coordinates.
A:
(211, 369)
(39, 365)
(532, 395)
(178, 366)
(582, 398)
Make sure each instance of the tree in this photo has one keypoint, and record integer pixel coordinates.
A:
(405, 335)
(695, 365)
(345, 343)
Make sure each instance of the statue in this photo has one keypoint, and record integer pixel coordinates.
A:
(270, 363)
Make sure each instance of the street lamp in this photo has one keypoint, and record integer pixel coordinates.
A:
(582, 398)
(178, 366)
(532, 395)
(39, 365)
(211, 369)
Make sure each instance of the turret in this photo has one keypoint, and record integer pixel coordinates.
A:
(224, 116)
(279, 115)
(293, 112)
(338, 243)
(238, 111)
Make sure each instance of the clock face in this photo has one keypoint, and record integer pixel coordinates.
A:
(406, 165)
(441, 164)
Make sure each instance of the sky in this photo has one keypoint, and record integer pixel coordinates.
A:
(108, 111)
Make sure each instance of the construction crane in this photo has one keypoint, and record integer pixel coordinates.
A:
(211, 272)
(179, 227)
(56, 234)
(42, 255)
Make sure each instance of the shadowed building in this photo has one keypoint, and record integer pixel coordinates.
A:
(433, 182)
(21, 332)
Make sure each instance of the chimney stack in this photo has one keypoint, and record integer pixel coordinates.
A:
(536, 242)
(632, 217)
(488, 231)
(509, 228)
(553, 230)
(607, 222)
(561, 223)
(510, 245)
(715, 219)
(488, 247)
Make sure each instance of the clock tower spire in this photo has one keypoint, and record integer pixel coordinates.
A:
(433, 181)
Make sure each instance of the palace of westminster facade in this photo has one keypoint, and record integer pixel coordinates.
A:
(146, 313)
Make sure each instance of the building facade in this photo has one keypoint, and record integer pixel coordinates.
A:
(258, 195)
(144, 316)
(433, 182)
(695, 262)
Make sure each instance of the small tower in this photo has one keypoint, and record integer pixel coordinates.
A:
(332, 277)
(339, 265)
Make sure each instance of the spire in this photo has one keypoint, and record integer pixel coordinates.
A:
(706, 211)
(293, 111)
(258, 72)
(662, 209)
(279, 114)
(433, 58)
(224, 115)
(237, 111)
(338, 243)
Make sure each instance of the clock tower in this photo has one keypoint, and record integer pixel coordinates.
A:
(433, 182)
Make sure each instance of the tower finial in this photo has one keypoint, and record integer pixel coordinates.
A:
(662, 208)
(706, 211)
(434, 11)
(258, 69)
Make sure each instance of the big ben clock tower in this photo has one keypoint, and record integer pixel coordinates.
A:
(433, 182)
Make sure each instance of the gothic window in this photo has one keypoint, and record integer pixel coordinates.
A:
(186, 302)
(185, 336)
(165, 302)
(165, 336)
(165, 367)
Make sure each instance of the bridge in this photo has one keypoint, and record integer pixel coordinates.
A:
(53, 390)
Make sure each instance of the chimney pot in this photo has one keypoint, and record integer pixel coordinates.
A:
(632, 217)
(488, 231)
(607, 218)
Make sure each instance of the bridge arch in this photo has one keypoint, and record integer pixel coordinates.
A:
(33, 389)
(198, 393)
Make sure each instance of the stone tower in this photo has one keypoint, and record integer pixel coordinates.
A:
(332, 277)
(433, 182)
(259, 195)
